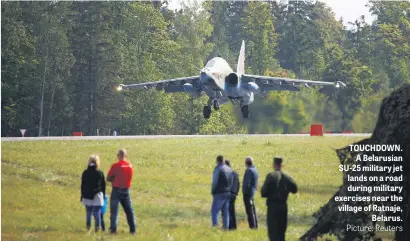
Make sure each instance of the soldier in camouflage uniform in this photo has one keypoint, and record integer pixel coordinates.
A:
(276, 189)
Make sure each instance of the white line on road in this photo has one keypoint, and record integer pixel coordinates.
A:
(91, 138)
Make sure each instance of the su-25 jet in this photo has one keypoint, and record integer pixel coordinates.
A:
(221, 84)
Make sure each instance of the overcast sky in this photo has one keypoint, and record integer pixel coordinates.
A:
(350, 10)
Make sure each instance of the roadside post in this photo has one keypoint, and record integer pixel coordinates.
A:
(23, 131)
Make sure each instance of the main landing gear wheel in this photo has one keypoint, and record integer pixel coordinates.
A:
(245, 111)
(207, 112)
(216, 105)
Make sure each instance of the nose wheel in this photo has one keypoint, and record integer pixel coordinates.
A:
(245, 111)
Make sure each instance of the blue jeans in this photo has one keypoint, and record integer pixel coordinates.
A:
(96, 212)
(121, 195)
(221, 203)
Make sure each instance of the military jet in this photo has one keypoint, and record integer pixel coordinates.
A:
(221, 84)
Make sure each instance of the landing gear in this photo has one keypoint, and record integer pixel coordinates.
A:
(207, 112)
(245, 111)
(216, 105)
(212, 103)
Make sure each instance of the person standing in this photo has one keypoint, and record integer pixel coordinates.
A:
(120, 175)
(249, 186)
(93, 191)
(234, 194)
(276, 189)
(221, 190)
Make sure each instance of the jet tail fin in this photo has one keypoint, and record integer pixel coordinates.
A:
(240, 69)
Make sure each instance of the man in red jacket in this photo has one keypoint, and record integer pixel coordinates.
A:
(120, 175)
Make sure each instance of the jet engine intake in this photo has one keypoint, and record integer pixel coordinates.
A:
(232, 79)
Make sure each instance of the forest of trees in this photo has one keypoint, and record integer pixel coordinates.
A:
(61, 63)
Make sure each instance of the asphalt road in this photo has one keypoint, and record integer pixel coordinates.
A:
(69, 138)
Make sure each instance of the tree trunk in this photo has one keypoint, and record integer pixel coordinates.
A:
(53, 90)
(40, 130)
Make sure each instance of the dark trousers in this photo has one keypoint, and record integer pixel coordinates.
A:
(250, 211)
(102, 222)
(121, 196)
(232, 214)
(277, 221)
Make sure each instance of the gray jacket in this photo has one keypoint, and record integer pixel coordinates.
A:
(250, 181)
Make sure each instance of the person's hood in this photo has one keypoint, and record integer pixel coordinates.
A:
(92, 166)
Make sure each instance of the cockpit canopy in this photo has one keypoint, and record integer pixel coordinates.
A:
(219, 63)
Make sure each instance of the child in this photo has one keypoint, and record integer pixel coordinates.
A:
(93, 191)
(103, 210)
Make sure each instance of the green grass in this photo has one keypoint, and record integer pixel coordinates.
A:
(170, 189)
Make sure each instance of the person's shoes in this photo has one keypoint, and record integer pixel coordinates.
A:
(133, 233)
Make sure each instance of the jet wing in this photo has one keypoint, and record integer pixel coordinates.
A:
(169, 85)
(267, 83)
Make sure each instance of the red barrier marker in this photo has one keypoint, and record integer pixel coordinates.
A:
(77, 133)
(316, 130)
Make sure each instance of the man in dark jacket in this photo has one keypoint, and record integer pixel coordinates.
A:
(221, 191)
(249, 186)
(234, 193)
(276, 189)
